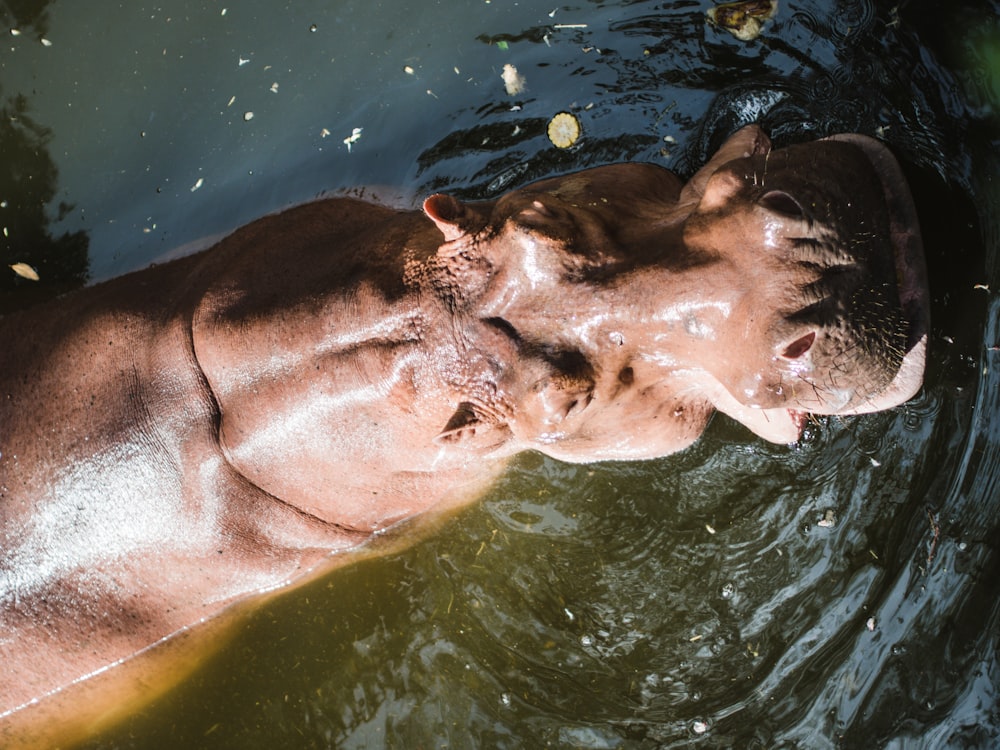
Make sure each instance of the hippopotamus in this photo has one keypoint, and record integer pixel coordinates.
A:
(202, 432)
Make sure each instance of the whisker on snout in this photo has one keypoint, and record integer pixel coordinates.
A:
(815, 250)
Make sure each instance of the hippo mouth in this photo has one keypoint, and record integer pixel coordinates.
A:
(799, 419)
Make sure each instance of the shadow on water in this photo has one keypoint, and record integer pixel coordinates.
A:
(28, 184)
(842, 592)
(29, 177)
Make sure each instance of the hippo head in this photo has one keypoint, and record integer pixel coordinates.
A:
(775, 284)
(827, 288)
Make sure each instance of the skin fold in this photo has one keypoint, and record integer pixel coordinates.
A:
(180, 441)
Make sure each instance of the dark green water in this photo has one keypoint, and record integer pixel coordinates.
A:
(691, 601)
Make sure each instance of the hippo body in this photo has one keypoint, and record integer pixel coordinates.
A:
(195, 433)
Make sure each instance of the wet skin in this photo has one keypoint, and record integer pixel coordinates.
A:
(197, 433)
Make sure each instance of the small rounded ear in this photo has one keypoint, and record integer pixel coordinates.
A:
(449, 214)
(745, 142)
(719, 190)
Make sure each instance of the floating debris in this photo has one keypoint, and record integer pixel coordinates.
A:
(512, 80)
(503, 45)
(274, 88)
(15, 32)
(743, 19)
(935, 536)
(564, 130)
(828, 521)
(198, 184)
(24, 271)
(231, 100)
(247, 116)
(45, 42)
(353, 138)
(324, 133)
(409, 70)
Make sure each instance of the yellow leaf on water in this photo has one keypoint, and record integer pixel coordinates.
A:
(25, 271)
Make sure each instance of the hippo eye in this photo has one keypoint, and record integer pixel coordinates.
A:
(781, 202)
(800, 346)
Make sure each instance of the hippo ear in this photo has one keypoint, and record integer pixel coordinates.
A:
(467, 429)
(748, 141)
(451, 216)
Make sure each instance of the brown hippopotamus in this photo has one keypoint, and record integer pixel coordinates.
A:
(207, 430)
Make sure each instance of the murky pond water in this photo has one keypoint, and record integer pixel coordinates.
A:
(842, 592)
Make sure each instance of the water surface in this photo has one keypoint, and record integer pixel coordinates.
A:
(693, 601)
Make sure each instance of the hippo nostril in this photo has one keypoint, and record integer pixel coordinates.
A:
(781, 202)
(800, 346)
